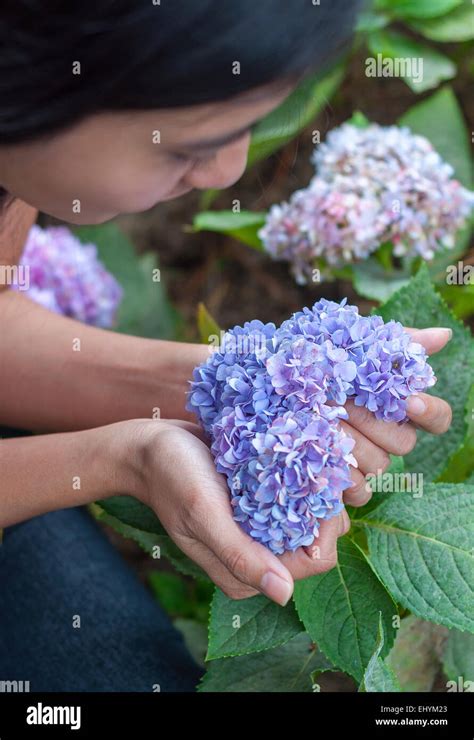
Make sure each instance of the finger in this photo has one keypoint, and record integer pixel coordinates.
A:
(321, 556)
(189, 426)
(399, 439)
(360, 492)
(429, 412)
(432, 339)
(247, 560)
(370, 457)
(218, 573)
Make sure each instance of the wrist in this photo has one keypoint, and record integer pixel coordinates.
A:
(124, 452)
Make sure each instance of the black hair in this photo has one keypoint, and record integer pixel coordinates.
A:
(61, 60)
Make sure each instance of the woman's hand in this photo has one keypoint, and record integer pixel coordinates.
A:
(374, 439)
(176, 477)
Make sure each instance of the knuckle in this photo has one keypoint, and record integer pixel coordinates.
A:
(446, 417)
(235, 561)
(384, 460)
(328, 563)
(407, 440)
(237, 593)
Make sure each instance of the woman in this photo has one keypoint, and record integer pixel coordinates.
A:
(110, 108)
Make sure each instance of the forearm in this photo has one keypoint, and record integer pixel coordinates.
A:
(57, 374)
(43, 473)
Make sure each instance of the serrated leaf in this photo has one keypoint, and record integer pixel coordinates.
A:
(340, 610)
(149, 541)
(415, 656)
(238, 627)
(379, 676)
(207, 325)
(242, 226)
(419, 305)
(287, 668)
(441, 120)
(396, 46)
(458, 658)
(423, 551)
(417, 8)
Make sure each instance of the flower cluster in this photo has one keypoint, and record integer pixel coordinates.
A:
(271, 400)
(373, 185)
(66, 276)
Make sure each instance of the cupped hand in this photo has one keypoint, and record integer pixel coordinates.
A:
(178, 480)
(375, 440)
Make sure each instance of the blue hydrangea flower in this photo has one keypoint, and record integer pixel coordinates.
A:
(271, 400)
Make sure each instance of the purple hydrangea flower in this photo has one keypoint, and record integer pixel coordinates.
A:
(67, 277)
(372, 185)
(271, 400)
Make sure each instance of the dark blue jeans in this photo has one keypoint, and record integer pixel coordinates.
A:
(59, 568)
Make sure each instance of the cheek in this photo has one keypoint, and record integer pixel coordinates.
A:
(132, 189)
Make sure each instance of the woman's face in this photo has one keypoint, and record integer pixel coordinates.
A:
(126, 162)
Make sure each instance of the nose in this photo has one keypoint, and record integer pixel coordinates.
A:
(223, 169)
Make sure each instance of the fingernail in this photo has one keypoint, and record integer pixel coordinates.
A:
(416, 405)
(276, 588)
(446, 330)
(436, 330)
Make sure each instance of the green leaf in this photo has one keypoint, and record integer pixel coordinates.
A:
(242, 226)
(286, 668)
(145, 310)
(182, 597)
(419, 305)
(195, 637)
(414, 657)
(132, 512)
(296, 112)
(416, 8)
(458, 659)
(461, 464)
(372, 281)
(340, 610)
(171, 591)
(207, 325)
(368, 21)
(378, 676)
(151, 540)
(249, 625)
(396, 46)
(460, 299)
(440, 119)
(423, 550)
(458, 25)
(358, 119)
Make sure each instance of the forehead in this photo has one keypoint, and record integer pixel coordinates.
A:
(219, 118)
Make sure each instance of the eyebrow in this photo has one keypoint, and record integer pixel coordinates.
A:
(217, 141)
